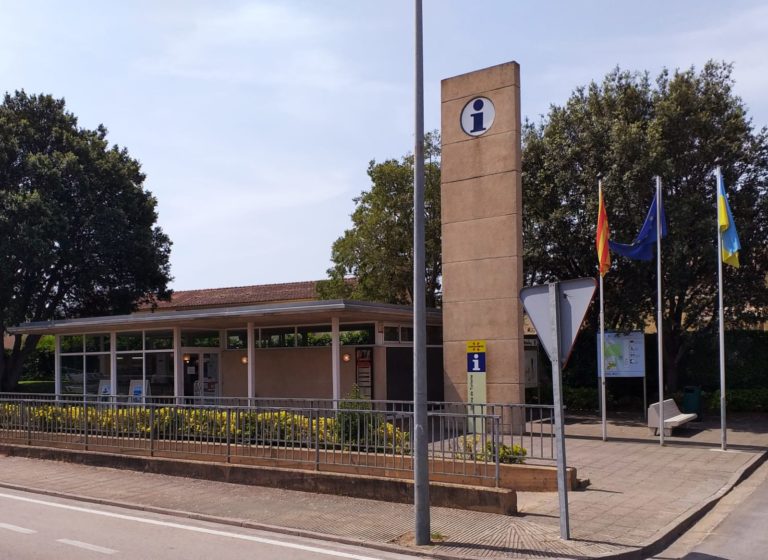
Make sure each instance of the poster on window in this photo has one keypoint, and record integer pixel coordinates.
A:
(137, 390)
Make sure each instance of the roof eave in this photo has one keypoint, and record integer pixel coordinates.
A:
(168, 318)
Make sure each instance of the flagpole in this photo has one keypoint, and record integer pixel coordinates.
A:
(602, 339)
(659, 311)
(723, 432)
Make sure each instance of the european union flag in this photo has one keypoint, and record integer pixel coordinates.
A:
(641, 248)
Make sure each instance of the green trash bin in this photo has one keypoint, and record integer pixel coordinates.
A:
(692, 400)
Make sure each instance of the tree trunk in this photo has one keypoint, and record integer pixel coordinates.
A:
(13, 363)
(675, 347)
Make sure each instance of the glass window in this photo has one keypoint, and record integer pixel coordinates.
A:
(319, 335)
(160, 373)
(406, 334)
(434, 335)
(391, 334)
(158, 340)
(237, 339)
(71, 343)
(130, 367)
(97, 343)
(356, 334)
(72, 375)
(277, 338)
(206, 339)
(97, 372)
(128, 341)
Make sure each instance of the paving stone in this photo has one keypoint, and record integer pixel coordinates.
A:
(638, 488)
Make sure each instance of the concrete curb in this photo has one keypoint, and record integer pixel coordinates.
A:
(476, 498)
(685, 521)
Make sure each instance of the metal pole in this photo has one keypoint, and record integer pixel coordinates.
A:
(85, 420)
(602, 361)
(229, 434)
(723, 431)
(645, 398)
(250, 338)
(420, 473)
(659, 311)
(151, 430)
(335, 361)
(557, 393)
(601, 379)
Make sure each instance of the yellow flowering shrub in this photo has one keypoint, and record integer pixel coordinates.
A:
(359, 430)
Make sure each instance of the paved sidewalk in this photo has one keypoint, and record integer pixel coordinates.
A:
(640, 494)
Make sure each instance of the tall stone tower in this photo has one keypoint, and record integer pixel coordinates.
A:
(482, 235)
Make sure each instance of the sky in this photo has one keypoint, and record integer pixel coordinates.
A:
(255, 121)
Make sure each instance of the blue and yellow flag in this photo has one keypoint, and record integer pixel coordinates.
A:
(727, 229)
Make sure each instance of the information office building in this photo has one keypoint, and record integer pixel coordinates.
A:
(273, 340)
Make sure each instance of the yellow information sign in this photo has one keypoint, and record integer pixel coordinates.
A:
(475, 346)
(476, 384)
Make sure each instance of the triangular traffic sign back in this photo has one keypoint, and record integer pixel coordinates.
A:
(575, 297)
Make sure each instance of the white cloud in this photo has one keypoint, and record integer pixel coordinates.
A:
(741, 38)
(233, 202)
(257, 43)
(260, 22)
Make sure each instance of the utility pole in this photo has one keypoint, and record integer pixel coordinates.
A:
(420, 465)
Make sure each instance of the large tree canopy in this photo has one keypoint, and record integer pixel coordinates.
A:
(378, 250)
(629, 129)
(77, 229)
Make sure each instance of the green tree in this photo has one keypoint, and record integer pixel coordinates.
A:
(378, 250)
(630, 129)
(77, 229)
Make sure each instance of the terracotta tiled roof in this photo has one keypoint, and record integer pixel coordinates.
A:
(241, 295)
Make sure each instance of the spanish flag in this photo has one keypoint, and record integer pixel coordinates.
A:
(728, 235)
(603, 233)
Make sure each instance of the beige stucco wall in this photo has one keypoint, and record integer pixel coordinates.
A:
(288, 373)
(379, 373)
(234, 378)
(482, 234)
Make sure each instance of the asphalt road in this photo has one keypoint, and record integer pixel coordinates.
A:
(35, 526)
(742, 535)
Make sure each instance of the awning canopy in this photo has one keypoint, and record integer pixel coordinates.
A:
(272, 314)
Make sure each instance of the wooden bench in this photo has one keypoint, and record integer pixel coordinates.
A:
(673, 418)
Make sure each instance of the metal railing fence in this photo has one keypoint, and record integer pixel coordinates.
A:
(465, 439)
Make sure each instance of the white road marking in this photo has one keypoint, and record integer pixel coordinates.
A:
(192, 528)
(87, 546)
(17, 528)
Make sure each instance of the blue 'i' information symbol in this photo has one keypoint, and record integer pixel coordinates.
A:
(477, 118)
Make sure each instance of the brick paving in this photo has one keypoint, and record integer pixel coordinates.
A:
(639, 493)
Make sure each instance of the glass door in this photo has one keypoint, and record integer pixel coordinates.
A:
(191, 373)
(211, 387)
(201, 373)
